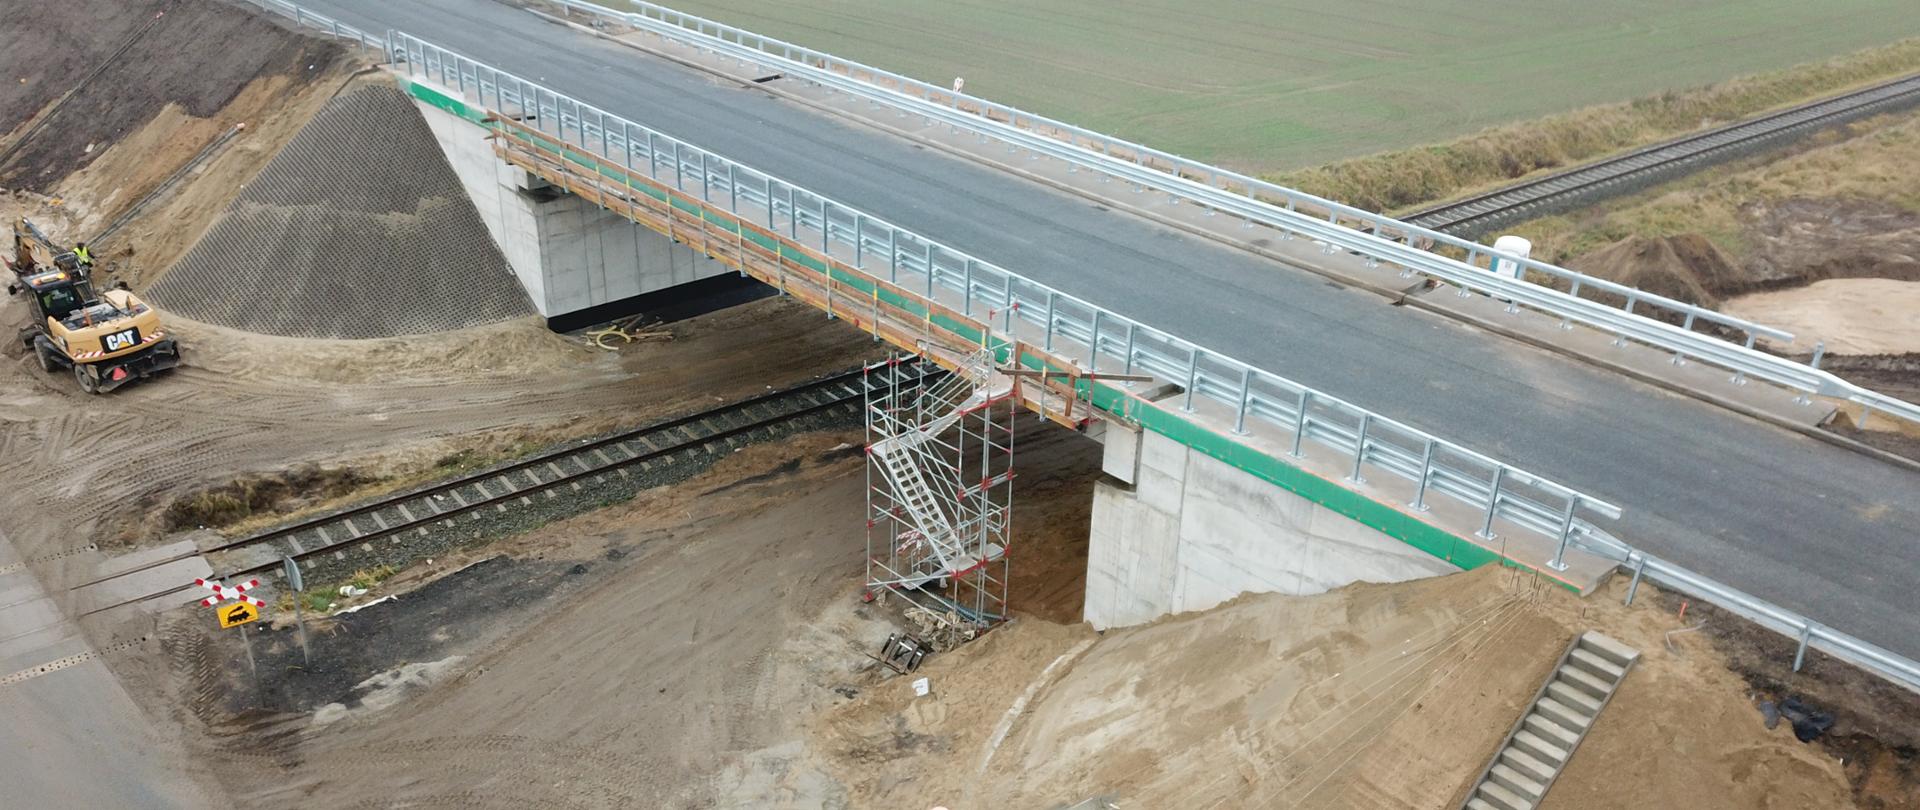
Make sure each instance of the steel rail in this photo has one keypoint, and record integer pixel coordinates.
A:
(1483, 210)
(1380, 238)
(550, 459)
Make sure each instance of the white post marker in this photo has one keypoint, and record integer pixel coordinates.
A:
(296, 584)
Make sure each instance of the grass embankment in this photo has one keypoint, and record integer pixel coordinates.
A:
(1398, 180)
(1868, 161)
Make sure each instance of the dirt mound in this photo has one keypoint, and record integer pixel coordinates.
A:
(1368, 696)
(80, 75)
(1686, 267)
(357, 229)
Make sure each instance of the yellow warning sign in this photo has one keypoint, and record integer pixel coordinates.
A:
(237, 614)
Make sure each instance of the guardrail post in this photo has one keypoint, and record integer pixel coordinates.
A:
(1300, 419)
(1639, 569)
(1048, 344)
(766, 192)
(893, 255)
(826, 225)
(793, 216)
(1128, 368)
(1426, 475)
(1559, 563)
(931, 270)
(859, 241)
(733, 183)
(1093, 344)
(1819, 351)
(706, 190)
(1360, 447)
(1246, 400)
(1800, 655)
(966, 301)
(1193, 376)
(1493, 501)
(679, 172)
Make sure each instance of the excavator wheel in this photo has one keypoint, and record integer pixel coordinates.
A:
(45, 356)
(86, 380)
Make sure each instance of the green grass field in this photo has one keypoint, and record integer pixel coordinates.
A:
(1270, 86)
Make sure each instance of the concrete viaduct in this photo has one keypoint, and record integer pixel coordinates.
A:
(1189, 519)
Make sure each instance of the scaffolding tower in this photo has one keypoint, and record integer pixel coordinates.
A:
(940, 487)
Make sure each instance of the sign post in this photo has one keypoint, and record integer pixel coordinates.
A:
(245, 610)
(295, 584)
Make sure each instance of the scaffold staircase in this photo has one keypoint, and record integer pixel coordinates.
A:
(909, 434)
(940, 504)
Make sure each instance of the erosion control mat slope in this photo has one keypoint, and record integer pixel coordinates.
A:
(357, 229)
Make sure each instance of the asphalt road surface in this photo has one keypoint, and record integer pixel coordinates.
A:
(1813, 527)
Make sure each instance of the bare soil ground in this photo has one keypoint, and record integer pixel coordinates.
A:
(164, 69)
(1370, 696)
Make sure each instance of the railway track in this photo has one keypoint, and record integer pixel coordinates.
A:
(1475, 216)
(517, 483)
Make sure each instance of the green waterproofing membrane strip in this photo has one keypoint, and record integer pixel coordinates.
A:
(1380, 517)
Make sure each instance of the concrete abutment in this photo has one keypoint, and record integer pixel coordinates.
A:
(578, 262)
(1176, 530)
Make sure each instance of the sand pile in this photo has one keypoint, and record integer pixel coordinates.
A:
(1369, 696)
(357, 229)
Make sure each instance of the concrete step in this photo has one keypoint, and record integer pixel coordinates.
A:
(1528, 764)
(1533, 754)
(1600, 668)
(1517, 782)
(1573, 696)
(1570, 718)
(1553, 732)
(1619, 654)
(1539, 748)
(1503, 798)
(1594, 687)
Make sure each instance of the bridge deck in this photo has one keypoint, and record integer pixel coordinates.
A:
(1812, 527)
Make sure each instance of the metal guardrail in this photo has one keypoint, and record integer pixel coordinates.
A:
(303, 18)
(1379, 238)
(1374, 442)
(1808, 633)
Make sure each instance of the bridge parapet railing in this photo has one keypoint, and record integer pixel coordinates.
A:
(1112, 342)
(1664, 323)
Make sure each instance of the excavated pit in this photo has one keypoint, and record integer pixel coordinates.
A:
(357, 229)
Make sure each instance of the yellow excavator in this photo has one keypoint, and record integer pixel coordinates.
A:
(107, 339)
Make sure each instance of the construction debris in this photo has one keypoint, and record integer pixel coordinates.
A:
(601, 338)
(941, 632)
